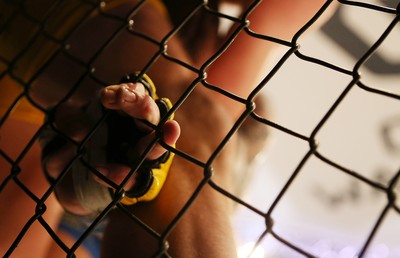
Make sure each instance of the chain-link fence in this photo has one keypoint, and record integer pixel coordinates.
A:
(45, 34)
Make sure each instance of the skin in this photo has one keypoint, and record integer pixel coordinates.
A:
(197, 234)
(190, 237)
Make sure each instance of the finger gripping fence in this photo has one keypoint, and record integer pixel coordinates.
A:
(49, 33)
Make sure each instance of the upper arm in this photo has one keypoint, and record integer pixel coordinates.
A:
(239, 68)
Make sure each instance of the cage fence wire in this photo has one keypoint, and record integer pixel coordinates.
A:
(48, 32)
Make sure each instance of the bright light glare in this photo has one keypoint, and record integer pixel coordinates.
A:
(246, 249)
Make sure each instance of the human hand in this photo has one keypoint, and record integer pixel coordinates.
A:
(131, 104)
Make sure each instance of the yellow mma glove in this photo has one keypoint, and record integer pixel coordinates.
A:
(151, 174)
(112, 141)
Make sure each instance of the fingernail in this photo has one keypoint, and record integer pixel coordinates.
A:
(110, 96)
(129, 95)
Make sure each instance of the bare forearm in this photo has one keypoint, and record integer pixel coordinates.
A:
(203, 231)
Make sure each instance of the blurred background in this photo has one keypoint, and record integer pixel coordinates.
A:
(325, 211)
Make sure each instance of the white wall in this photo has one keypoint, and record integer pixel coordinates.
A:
(326, 211)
